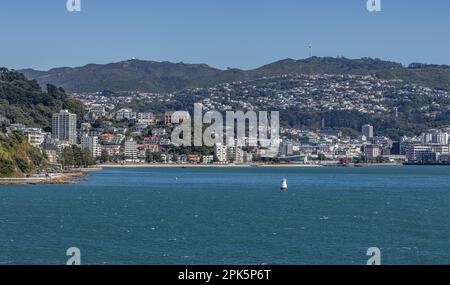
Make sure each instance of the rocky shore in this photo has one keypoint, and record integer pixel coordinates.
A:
(59, 178)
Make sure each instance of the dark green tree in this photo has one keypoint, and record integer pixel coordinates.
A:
(104, 157)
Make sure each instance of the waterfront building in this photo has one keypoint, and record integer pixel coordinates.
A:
(193, 158)
(444, 158)
(220, 151)
(64, 127)
(395, 150)
(91, 143)
(207, 159)
(286, 149)
(248, 156)
(372, 152)
(131, 150)
(269, 152)
(423, 154)
(235, 154)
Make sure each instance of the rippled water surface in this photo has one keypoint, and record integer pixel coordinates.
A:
(232, 216)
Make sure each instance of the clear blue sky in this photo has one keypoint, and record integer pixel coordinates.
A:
(222, 33)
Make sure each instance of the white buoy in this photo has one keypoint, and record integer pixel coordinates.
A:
(284, 185)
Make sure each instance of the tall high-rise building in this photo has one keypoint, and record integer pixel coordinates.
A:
(367, 131)
(131, 150)
(220, 152)
(91, 143)
(235, 154)
(64, 126)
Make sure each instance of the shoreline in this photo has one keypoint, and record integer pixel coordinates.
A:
(162, 165)
(187, 165)
(59, 178)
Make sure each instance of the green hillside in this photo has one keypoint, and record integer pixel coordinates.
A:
(130, 75)
(23, 101)
(150, 76)
(17, 157)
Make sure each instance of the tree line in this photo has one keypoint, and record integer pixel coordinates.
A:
(74, 156)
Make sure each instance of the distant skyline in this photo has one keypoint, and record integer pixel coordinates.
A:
(234, 33)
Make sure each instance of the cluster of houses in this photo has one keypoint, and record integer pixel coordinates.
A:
(125, 136)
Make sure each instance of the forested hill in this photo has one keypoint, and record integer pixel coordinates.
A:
(23, 101)
(151, 76)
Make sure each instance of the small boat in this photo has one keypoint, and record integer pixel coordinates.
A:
(284, 185)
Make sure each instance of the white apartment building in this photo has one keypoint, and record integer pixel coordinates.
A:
(131, 150)
(419, 153)
(35, 136)
(235, 154)
(64, 127)
(145, 118)
(220, 151)
(91, 143)
(206, 159)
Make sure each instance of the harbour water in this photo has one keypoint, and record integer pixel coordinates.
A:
(232, 216)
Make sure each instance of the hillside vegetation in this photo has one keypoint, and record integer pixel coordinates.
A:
(23, 101)
(151, 76)
(17, 157)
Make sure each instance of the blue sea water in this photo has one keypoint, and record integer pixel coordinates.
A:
(232, 216)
